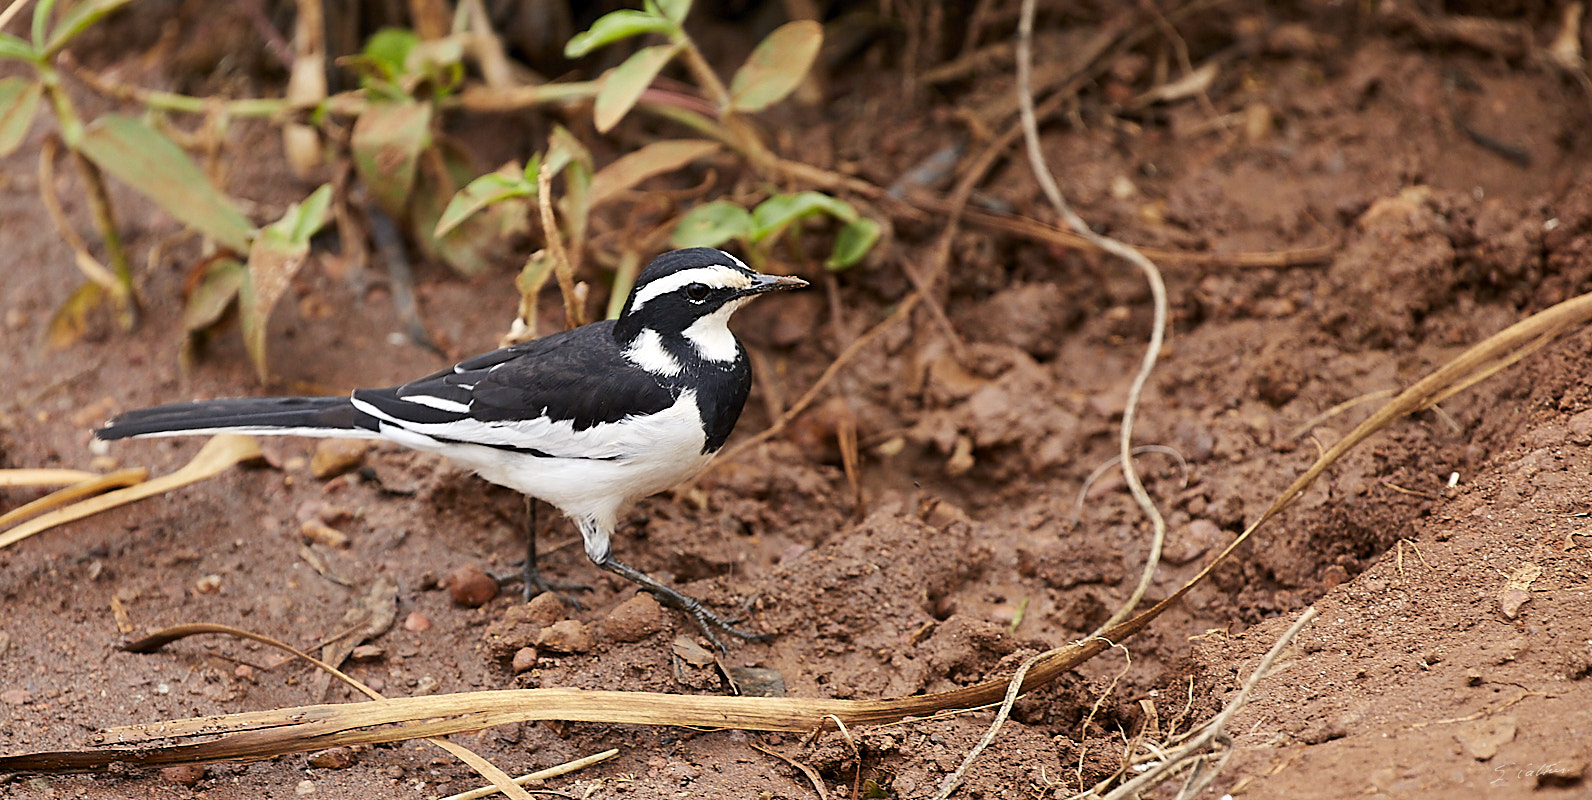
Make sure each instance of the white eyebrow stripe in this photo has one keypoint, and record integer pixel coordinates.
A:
(736, 261)
(717, 276)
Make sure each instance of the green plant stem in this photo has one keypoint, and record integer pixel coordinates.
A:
(99, 202)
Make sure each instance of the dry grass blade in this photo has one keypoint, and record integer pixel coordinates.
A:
(563, 269)
(540, 775)
(1152, 276)
(1214, 731)
(77, 491)
(500, 779)
(10, 478)
(217, 454)
(812, 774)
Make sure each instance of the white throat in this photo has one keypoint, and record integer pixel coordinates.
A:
(711, 335)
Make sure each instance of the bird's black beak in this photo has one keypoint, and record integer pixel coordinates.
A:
(773, 283)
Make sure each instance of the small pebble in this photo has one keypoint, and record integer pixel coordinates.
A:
(184, 774)
(209, 584)
(524, 660)
(368, 652)
(318, 532)
(15, 697)
(545, 609)
(334, 457)
(417, 622)
(635, 619)
(333, 758)
(304, 788)
(470, 587)
(566, 636)
(243, 672)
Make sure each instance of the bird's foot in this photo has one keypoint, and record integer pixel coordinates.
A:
(533, 584)
(706, 620)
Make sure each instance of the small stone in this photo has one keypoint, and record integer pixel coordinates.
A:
(635, 619)
(184, 774)
(545, 609)
(333, 758)
(102, 463)
(15, 697)
(334, 457)
(470, 587)
(243, 672)
(690, 652)
(1581, 427)
(1194, 540)
(1482, 738)
(524, 660)
(209, 584)
(368, 652)
(566, 636)
(417, 622)
(304, 788)
(317, 532)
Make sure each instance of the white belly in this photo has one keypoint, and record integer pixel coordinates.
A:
(649, 454)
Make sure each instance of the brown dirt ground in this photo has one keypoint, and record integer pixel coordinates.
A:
(1325, 125)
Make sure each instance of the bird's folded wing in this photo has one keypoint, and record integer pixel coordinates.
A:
(570, 395)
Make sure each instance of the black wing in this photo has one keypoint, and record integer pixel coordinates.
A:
(528, 397)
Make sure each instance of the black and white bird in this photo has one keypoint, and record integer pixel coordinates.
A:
(590, 420)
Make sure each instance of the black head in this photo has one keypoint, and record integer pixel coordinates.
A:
(686, 297)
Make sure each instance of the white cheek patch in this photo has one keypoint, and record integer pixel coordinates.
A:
(711, 335)
(713, 276)
(647, 351)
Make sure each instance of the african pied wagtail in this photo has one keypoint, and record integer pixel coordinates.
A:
(590, 419)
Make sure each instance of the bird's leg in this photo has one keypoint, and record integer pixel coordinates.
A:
(531, 575)
(705, 619)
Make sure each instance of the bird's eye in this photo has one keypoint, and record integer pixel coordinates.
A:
(697, 292)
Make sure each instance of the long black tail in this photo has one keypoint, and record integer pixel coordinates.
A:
(268, 416)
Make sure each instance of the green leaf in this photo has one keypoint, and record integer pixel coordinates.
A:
(772, 215)
(19, 100)
(79, 18)
(15, 47)
(777, 66)
(619, 88)
(303, 220)
(388, 50)
(655, 158)
(624, 280)
(713, 224)
(853, 243)
(146, 160)
(387, 142)
(675, 10)
(482, 240)
(41, 22)
(275, 256)
(563, 149)
(213, 294)
(612, 27)
(490, 188)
